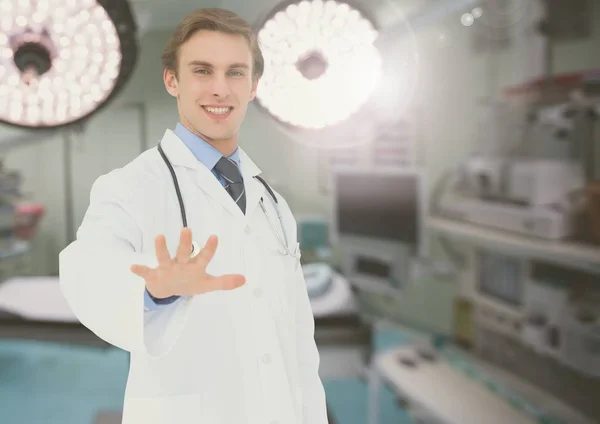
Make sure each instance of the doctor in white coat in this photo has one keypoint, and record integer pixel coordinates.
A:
(224, 335)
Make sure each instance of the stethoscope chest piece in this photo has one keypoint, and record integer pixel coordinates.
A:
(195, 249)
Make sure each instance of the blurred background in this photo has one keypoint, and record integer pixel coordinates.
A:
(442, 158)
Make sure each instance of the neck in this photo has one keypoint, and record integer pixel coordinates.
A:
(225, 146)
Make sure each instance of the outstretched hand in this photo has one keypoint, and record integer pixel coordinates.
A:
(183, 275)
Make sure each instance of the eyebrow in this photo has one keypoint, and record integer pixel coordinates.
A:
(210, 65)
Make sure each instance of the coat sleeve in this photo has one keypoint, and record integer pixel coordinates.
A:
(98, 285)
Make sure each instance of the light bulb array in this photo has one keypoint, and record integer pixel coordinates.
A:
(59, 60)
(321, 64)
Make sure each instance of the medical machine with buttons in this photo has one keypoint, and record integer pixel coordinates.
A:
(377, 222)
(538, 320)
(526, 196)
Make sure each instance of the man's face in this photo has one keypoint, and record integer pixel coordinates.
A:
(214, 84)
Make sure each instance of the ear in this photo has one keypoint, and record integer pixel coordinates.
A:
(170, 81)
(254, 88)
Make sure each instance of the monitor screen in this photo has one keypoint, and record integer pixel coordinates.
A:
(379, 205)
(501, 277)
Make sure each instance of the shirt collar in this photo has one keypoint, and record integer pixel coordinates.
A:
(202, 150)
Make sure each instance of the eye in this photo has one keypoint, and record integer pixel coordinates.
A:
(236, 73)
(201, 71)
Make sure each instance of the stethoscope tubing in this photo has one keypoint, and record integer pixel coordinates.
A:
(195, 248)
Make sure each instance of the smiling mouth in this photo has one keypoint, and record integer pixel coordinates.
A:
(218, 111)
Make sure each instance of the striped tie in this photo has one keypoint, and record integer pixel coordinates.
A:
(234, 184)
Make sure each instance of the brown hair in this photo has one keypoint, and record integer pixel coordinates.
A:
(212, 19)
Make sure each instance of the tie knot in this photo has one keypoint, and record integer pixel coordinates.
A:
(229, 170)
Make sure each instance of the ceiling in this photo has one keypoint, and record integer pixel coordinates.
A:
(159, 15)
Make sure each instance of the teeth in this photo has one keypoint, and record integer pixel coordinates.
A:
(218, 110)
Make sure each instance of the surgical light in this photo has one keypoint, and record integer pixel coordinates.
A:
(321, 64)
(467, 19)
(62, 60)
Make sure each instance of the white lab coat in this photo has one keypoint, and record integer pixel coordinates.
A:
(227, 357)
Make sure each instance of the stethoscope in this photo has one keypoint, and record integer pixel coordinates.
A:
(283, 241)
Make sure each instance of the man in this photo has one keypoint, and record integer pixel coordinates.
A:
(224, 335)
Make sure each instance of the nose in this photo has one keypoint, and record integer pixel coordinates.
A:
(220, 86)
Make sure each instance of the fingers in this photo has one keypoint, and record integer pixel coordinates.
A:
(142, 271)
(185, 246)
(207, 252)
(162, 254)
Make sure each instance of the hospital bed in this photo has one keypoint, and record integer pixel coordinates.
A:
(33, 308)
(337, 321)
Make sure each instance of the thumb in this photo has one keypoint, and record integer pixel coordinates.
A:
(142, 271)
(226, 282)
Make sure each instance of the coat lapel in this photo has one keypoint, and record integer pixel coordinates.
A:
(254, 189)
(180, 156)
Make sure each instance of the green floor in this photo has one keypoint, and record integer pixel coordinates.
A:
(347, 401)
(51, 384)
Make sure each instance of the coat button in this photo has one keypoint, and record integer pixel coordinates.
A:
(257, 292)
(248, 230)
(266, 359)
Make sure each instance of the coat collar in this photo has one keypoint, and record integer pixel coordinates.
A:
(180, 156)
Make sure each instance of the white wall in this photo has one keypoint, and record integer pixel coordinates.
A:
(452, 82)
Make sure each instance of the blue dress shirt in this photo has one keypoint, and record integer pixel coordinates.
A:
(209, 156)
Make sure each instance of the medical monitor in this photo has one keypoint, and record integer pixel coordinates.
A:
(385, 205)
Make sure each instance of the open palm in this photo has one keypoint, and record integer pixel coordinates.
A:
(183, 275)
